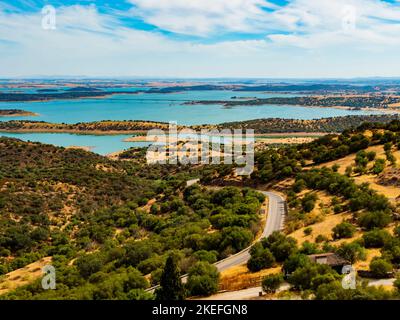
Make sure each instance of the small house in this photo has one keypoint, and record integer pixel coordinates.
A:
(331, 259)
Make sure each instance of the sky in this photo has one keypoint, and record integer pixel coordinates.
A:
(200, 38)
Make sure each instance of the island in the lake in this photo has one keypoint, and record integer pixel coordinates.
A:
(16, 113)
(351, 102)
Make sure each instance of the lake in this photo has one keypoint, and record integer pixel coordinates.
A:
(153, 107)
(166, 107)
(102, 144)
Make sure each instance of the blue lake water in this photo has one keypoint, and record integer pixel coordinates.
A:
(102, 144)
(165, 107)
(154, 107)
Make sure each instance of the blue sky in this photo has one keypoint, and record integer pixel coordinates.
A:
(201, 38)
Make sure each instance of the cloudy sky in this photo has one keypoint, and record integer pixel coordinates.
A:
(200, 38)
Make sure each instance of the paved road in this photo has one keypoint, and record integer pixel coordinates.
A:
(251, 293)
(381, 282)
(275, 220)
(245, 294)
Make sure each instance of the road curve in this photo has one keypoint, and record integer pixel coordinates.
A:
(275, 220)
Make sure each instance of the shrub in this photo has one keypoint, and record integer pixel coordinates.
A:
(351, 251)
(262, 259)
(208, 256)
(303, 278)
(343, 230)
(371, 220)
(376, 238)
(380, 268)
(307, 231)
(379, 166)
(203, 279)
(272, 282)
(397, 284)
(89, 264)
(320, 238)
(308, 202)
(294, 262)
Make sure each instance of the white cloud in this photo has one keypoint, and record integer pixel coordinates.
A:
(317, 23)
(203, 17)
(312, 42)
(86, 42)
(303, 23)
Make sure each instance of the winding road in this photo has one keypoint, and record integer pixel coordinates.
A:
(275, 219)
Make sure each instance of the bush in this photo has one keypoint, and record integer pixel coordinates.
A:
(343, 230)
(371, 220)
(309, 248)
(280, 245)
(307, 231)
(303, 278)
(89, 264)
(376, 238)
(351, 251)
(272, 282)
(203, 279)
(308, 202)
(397, 284)
(397, 231)
(208, 256)
(320, 238)
(294, 262)
(380, 268)
(379, 166)
(260, 259)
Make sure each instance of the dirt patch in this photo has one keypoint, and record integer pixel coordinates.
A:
(239, 277)
(23, 276)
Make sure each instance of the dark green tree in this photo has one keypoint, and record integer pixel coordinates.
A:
(203, 279)
(171, 287)
(272, 282)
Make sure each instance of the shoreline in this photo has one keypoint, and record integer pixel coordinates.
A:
(140, 137)
(23, 114)
(75, 131)
(260, 136)
(137, 130)
(85, 148)
(391, 110)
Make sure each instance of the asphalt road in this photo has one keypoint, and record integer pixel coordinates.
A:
(245, 294)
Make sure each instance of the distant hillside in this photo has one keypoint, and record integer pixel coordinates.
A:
(260, 126)
(328, 125)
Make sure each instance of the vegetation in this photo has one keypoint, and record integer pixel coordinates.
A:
(171, 287)
(15, 113)
(113, 228)
(343, 230)
(271, 283)
(351, 101)
(203, 279)
(260, 126)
